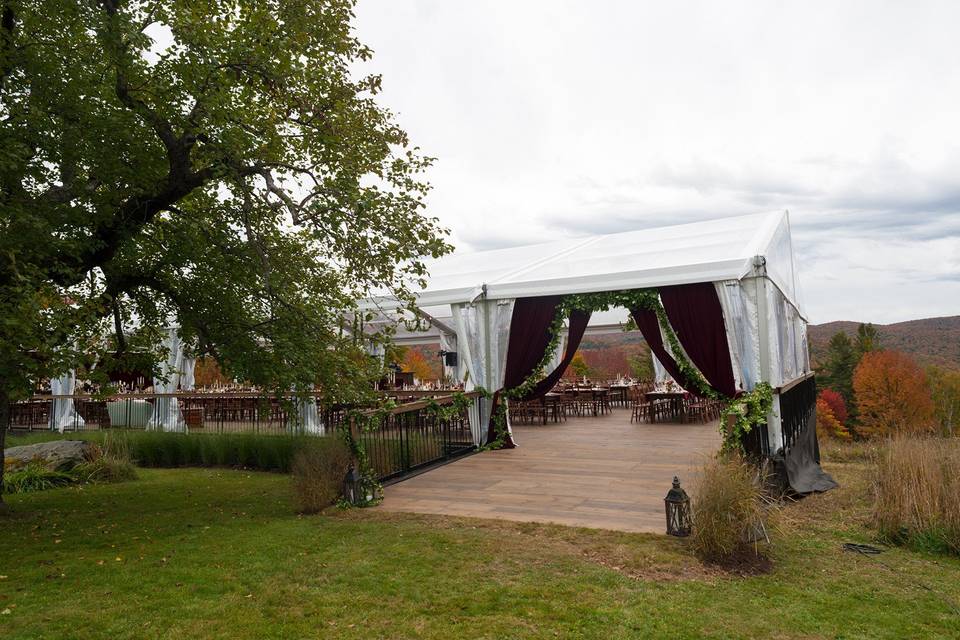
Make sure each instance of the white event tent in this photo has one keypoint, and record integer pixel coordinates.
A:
(749, 260)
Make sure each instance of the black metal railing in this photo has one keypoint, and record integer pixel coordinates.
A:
(756, 442)
(399, 441)
(798, 405)
(196, 412)
(414, 436)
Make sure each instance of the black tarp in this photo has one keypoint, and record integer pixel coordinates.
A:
(802, 462)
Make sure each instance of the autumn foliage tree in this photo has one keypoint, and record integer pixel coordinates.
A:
(841, 360)
(416, 363)
(893, 395)
(828, 426)
(579, 366)
(837, 405)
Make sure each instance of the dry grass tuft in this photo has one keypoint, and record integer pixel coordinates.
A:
(832, 450)
(318, 470)
(730, 512)
(917, 492)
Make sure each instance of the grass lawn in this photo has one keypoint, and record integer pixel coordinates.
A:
(200, 553)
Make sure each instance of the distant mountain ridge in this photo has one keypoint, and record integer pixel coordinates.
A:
(932, 341)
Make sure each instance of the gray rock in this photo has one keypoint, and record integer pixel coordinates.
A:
(58, 455)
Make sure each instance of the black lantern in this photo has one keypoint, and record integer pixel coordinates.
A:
(677, 505)
(353, 487)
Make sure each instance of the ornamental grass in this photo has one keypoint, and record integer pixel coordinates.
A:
(917, 492)
(318, 472)
(730, 511)
(243, 450)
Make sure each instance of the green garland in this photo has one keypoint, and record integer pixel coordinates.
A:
(749, 409)
(499, 416)
(588, 303)
(368, 422)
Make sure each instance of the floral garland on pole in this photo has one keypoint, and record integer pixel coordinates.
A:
(738, 417)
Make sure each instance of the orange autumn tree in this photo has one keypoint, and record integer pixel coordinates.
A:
(893, 395)
(579, 366)
(207, 373)
(415, 362)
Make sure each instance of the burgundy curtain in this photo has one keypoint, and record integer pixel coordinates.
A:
(650, 328)
(696, 316)
(578, 325)
(529, 337)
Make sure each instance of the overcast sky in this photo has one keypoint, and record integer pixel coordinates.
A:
(554, 119)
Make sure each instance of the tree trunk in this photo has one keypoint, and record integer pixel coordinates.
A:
(4, 422)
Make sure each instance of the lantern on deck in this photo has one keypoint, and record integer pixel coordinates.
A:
(677, 506)
(353, 487)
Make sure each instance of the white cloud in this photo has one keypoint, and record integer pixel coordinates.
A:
(564, 118)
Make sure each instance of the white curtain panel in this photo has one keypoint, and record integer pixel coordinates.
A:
(740, 320)
(660, 375)
(166, 411)
(309, 417)
(188, 377)
(666, 377)
(483, 335)
(63, 413)
(557, 358)
(789, 358)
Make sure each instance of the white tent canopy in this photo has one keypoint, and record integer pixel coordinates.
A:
(709, 251)
(749, 259)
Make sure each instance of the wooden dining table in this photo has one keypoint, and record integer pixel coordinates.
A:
(675, 398)
(618, 394)
(598, 398)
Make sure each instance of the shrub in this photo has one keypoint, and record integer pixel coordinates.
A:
(108, 461)
(104, 469)
(35, 477)
(917, 492)
(827, 424)
(893, 395)
(318, 471)
(838, 407)
(728, 510)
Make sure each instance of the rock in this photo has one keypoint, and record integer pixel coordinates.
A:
(57, 455)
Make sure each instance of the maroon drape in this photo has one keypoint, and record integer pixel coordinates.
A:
(529, 337)
(650, 328)
(696, 316)
(578, 325)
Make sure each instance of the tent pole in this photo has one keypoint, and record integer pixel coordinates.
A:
(774, 430)
(487, 369)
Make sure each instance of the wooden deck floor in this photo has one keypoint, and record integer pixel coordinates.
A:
(593, 472)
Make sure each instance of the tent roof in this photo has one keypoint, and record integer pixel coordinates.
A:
(708, 251)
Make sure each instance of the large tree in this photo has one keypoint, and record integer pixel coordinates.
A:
(220, 165)
(893, 395)
(840, 362)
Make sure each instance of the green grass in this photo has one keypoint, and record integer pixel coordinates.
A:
(213, 553)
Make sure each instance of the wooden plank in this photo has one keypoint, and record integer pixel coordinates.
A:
(601, 472)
